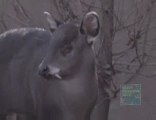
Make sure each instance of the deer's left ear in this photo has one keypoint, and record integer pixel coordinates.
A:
(90, 25)
(53, 23)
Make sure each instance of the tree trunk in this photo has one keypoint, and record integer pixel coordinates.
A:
(103, 52)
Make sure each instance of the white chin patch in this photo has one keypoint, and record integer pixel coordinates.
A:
(55, 72)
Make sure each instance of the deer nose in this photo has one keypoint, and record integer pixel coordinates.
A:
(43, 70)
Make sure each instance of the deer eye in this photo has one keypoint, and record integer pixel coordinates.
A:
(66, 49)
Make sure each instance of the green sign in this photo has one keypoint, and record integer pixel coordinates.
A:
(130, 94)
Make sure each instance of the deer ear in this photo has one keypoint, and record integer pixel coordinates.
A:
(51, 21)
(90, 24)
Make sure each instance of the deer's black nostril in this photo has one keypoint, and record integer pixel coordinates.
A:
(43, 70)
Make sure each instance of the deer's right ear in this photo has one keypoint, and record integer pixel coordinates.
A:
(90, 26)
(51, 21)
